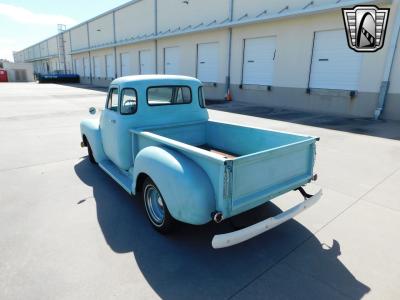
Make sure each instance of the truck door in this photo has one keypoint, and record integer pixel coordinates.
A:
(109, 125)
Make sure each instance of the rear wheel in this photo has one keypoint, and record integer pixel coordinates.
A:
(157, 211)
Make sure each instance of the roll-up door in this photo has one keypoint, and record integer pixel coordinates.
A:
(207, 62)
(96, 67)
(334, 64)
(125, 64)
(171, 60)
(145, 62)
(110, 73)
(259, 57)
(79, 66)
(86, 67)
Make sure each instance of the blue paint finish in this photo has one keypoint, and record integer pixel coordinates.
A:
(268, 163)
(165, 143)
(91, 129)
(186, 188)
(118, 133)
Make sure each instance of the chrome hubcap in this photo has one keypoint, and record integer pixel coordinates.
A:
(154, 204)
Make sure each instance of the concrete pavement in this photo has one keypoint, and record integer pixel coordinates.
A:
(67, 231)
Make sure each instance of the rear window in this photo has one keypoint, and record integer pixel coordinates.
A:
(128, 101)
(169, 95)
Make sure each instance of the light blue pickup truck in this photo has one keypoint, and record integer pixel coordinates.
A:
(155, 139)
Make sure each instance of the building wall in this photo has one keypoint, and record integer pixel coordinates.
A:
(198, 11)
(133, 52)
(392, 107)
(36, 51)
(67, 49)
(188, 56)
(13, 68)
(101, 31)
(292, 67)
(254, 8)
(294, 47)
(86, 72)
(100, 78)
(141, 14)
(53, 46)
(79, 37)
(43, 49)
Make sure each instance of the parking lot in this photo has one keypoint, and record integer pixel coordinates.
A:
(68, 231)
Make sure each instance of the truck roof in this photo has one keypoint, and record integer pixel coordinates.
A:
(156, 79)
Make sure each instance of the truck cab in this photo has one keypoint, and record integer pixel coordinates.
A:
(143, 101)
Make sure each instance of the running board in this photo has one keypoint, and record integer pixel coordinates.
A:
(123, 178)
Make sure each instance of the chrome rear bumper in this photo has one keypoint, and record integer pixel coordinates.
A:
(236, 237)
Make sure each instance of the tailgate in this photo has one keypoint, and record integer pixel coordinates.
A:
(258, 177)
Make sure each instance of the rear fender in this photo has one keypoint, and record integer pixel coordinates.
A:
(185, 187)
(91, 130)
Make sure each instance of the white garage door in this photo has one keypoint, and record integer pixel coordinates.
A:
(125, 64)
(79, 66)
(146, 62)
(97, 67)
(334, 65)
(110, 66)
(86, 67)
(259, 57)
(207, 62)
(171, 60)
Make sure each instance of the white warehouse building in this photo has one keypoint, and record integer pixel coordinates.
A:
(291, 54)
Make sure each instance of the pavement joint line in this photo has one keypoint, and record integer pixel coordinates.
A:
(311, 235)
(382, 206)
(40, 164)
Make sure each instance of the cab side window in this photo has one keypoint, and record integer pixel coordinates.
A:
(128, 101)
(112, 102)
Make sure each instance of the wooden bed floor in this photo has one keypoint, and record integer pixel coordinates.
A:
(218, 151)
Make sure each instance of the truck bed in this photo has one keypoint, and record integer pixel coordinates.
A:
(247, 166)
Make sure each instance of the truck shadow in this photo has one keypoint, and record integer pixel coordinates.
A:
(184, 266)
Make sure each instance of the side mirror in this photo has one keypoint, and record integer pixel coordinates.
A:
(92, 111)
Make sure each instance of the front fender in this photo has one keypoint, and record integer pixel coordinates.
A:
(91, 130)
(185, 187)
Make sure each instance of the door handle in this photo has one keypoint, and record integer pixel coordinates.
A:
(113, 121)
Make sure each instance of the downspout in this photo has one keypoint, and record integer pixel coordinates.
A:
(115, 47)
(58, 51)
(40, 55)
(388, 65)
(228, 77)
(155, 36)
(70, 49)
(48, 54)
(65, 54)
(90, 59)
